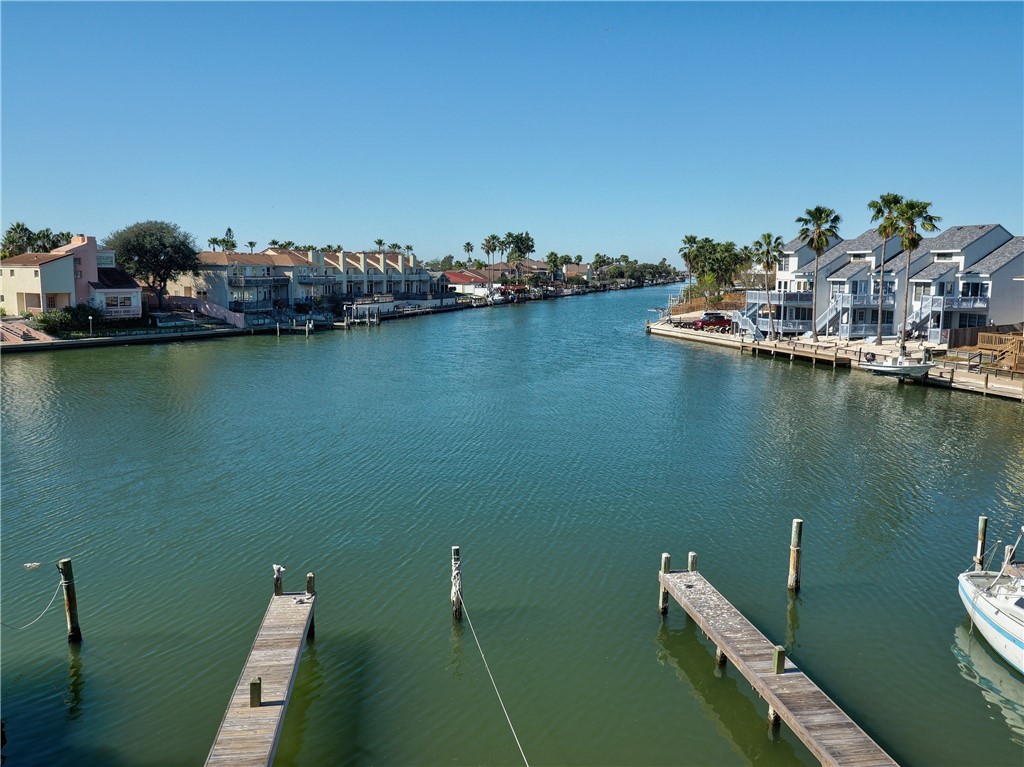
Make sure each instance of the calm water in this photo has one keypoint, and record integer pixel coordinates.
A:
(564, 450)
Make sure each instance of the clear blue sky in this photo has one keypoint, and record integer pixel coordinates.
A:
(607, 127)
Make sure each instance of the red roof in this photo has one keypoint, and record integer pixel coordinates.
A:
(465, 278)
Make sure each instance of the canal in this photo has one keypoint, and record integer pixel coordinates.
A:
(564, 450)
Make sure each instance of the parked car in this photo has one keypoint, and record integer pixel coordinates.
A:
(716, 322)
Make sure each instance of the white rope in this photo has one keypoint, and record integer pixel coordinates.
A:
(59, 584)
(507, 718)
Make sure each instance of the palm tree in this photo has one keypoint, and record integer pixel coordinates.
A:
(394, 247)
(490, 246)
(817, 229)
(689, 244)
(408, 250)
(18, 239)
(908, 214)
(274, 244)
(213, 242)
(251, 244)
(883, 209)
(768, 255)
(288, 244)
(468, 247)
(379, 243)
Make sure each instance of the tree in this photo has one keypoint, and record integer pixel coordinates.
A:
(394, 247)
(251, 244)
(490, 246)
(18, 239)
(380, 244)
(578, 259)
(554, 261)
(288, 244)
(883, 209)
(155, 252)
(768, 256)
(468, 247)
(408, 250)
(818, 228)
(689, 245)
(274, 244)
(228, 240)
(213, 242)
(908, 215)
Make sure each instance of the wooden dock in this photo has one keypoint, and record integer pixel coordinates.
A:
(824, 728)
(248, 733)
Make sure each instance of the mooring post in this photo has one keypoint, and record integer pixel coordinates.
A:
(794, 555)
(67, 580)
(720, 658)
(311, 591)
(666, 562)
(456, 584)
(778, 659)
(256, 692)
(979, 556)
(278, 585)
(691, 561)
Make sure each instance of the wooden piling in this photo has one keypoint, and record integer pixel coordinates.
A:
(311, 591)
(256, 692)
(794, 555)
(278, 586)
(456, 584)
(979, 556)
(691, 562)
(67, 579)
(666, 563)
(778, 659)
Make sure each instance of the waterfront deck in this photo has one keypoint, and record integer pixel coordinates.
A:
(832, 736)
(850, 354)
(248, 735)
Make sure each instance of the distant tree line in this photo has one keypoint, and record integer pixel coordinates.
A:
(19, 239)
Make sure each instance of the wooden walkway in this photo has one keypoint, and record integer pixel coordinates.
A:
(825, 729)
(248, 735)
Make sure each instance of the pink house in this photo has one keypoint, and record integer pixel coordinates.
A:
(76, 273)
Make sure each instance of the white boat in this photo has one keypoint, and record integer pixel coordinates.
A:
(900, 367)
(995, 604)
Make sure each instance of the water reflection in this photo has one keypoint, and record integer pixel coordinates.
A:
(455, 662)
(792, 621)
(682, 650)
(997, 683)
(76, 682)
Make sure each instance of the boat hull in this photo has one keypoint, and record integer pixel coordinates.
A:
(997, 613)
(906, 370)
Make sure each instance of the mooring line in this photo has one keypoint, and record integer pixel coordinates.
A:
(59, 584)
(494, 684)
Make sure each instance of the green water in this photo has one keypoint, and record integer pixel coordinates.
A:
(563, 450)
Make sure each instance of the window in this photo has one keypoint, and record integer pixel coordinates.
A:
(111, 302)
(51, 302)
(973, 320)
(78, 261)
(201, 295)
(35, 272)
(78, 274)
(12, 272)
(125, 301)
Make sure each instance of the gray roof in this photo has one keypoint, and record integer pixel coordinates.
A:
(113, 278)
(793, 245)
(934, 270)
(838, 254)
(851, 269)
(954, 238)
(998, 258)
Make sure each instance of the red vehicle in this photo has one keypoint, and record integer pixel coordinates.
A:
(716, 322)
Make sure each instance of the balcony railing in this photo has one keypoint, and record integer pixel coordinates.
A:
(947, 303)
(250, 306)
(779, 297)
(122, 311)
(310, 279)
(251, 282)
(864, 329)
(850, 300)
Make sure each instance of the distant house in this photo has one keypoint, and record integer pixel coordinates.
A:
(76, 273)
(583, 271)
(467, 282)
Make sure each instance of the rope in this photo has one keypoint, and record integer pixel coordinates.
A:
(507, 718)
(59, 584)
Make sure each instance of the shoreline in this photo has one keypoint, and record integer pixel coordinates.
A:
(834, 353)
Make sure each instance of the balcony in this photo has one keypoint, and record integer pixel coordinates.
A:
(250, 306)
(122, 312)
(953, 303)
(864, 329)
(255, 282)
(851, 300)
(310, 279)
(788, 297)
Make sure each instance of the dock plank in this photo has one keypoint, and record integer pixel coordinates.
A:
(827, 731)
(247, 736)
